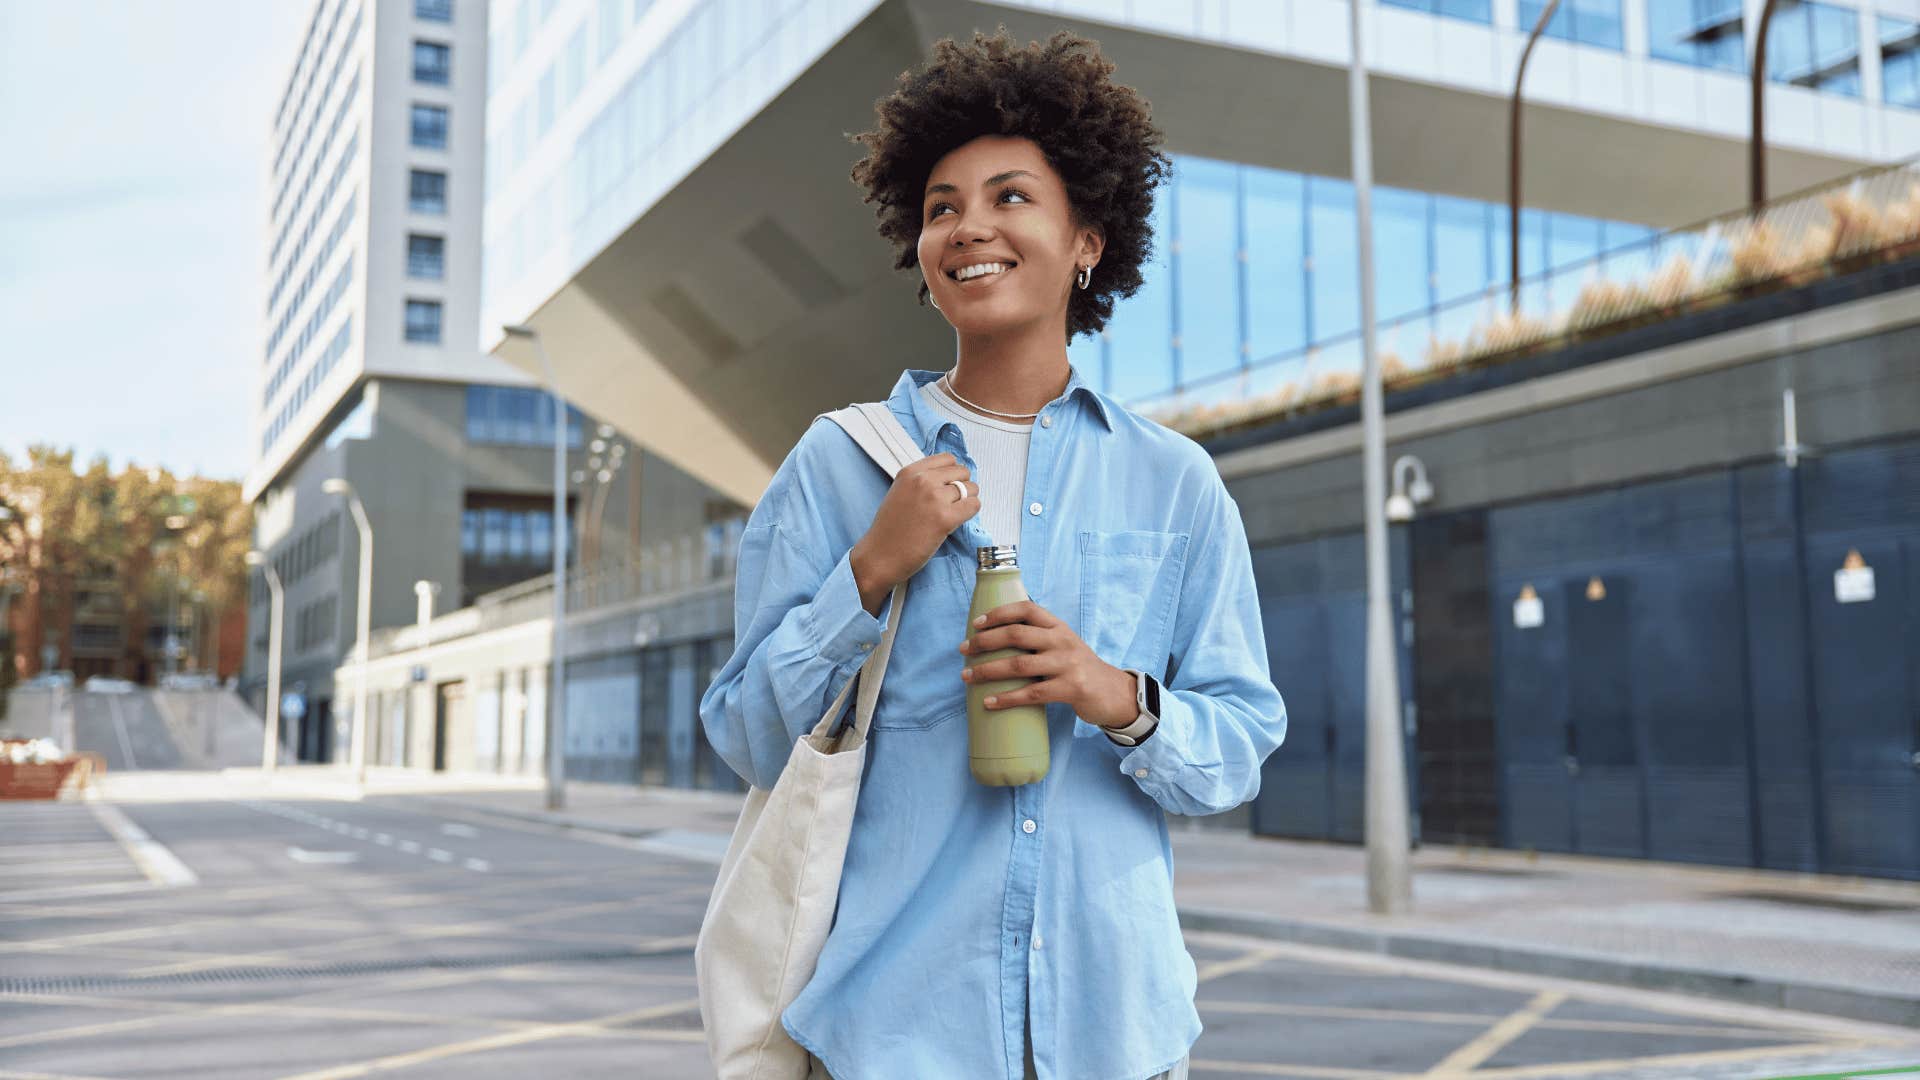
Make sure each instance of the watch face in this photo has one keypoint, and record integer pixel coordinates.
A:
(1153, 697)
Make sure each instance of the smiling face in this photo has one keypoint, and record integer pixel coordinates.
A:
(998, 244)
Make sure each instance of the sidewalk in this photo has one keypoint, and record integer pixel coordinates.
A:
(1841, 946)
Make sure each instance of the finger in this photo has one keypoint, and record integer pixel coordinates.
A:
(1019, 611)
(931, 461)
(1031, 694)
(1024, 666)
(1011, 635)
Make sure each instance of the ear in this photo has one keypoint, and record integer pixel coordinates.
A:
(1093, 241)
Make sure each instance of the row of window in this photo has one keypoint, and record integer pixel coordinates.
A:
(507, 536)
(335, 293)
(317, 545)
(1809, 44)
(341, 225)
(302, 73)
(293, 261)
(316, 623)
(347, 52)
(322, 365)
(517, 416)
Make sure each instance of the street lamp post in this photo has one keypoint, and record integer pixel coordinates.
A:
(1389, 890)
(358, 751)
(557, 693)
(270, 755)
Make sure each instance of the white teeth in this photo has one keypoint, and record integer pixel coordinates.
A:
(967, 273)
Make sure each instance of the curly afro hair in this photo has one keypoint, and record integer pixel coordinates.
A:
(1096, 134)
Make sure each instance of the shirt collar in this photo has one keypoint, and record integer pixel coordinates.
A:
(906, 401)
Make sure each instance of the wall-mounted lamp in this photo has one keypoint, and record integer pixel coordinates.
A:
(1405, 497)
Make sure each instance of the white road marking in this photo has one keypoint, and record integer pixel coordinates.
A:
(454, 829)
(383, 839)
(120, 728)
(149, 854)
(410, 847)
(302, 855)
(481, 865)
(359, 833)
(439, 855)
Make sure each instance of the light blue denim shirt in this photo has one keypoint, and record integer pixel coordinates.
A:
(965, 908)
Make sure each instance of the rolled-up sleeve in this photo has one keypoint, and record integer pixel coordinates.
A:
(800, 632)
(1220, 715)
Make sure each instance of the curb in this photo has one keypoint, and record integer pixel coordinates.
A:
(1826, 999)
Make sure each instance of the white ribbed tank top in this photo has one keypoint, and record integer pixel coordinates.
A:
(999, 450)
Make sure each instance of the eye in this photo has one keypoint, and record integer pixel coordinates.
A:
(937, 207)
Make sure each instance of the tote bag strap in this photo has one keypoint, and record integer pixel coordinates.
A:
(879, 432)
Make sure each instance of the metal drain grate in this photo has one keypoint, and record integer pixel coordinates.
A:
(55, 984)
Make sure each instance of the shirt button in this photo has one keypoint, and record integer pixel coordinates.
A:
(1046, 421)
(1028, 825)
(1140, 773)
(866, 645)
(1034, 509)
(1036, 941)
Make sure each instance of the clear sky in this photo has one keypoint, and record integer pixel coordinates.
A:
(133, 138)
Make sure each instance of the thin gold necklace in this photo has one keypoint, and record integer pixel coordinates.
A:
(946, 378)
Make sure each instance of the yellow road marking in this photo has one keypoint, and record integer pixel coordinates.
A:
(1490, 1042)
(1239, 963)
(1419, 1016)
(494, 1042)
(1710, 1057)
(1313, 1072)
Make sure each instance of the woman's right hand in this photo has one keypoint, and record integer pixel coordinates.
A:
(920, 510)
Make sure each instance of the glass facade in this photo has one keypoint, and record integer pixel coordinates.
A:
(1816, 46)
(426, 256)
(1254, 265)
(432, 63)
(433, 10)
(427, 192)
(1587, 22)
(1480, 11)
(423, 322)
(1900, 61)
(1703, 33)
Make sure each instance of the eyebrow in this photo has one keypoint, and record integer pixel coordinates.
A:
(1001, 178)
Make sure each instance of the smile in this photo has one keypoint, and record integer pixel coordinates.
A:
(980, 274)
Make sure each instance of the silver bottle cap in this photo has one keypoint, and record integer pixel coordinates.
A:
(998, 557)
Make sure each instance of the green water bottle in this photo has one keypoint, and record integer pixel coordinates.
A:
(1006, 747)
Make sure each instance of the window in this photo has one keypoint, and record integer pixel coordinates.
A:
(1703, 33)
(1900, 61)
(433, 10)
(516, 416)
(426, 256)
(427, 192)
(1474, 10)
(432, 63)
(423, 322)
(430, 127)
(1588, 22)
(1816, 46)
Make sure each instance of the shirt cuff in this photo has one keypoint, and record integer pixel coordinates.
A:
(1159, 759)
(838, 621)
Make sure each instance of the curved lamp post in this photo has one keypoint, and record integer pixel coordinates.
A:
(556, 694)
(358, 753)
(1513, 156)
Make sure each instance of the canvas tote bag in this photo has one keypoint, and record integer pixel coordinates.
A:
(770, 910)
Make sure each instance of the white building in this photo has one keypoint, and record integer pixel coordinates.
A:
(372, 258)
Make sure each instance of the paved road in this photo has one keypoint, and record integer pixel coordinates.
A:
(334, 939)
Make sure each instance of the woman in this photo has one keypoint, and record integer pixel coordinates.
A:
(1008, 931)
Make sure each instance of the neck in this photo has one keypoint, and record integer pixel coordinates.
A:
(1013, 371)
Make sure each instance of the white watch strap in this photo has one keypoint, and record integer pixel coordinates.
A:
(1133, 732)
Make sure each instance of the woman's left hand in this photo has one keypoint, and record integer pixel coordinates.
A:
(1065, 667)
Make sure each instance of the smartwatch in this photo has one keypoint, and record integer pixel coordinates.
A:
(1147, 700)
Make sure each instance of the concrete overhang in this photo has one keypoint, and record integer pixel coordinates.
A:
(757, 293)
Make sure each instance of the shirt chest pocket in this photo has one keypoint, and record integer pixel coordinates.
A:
(923, 689)
(1129, 583)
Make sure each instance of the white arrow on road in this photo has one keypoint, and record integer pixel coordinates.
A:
(302, 855)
